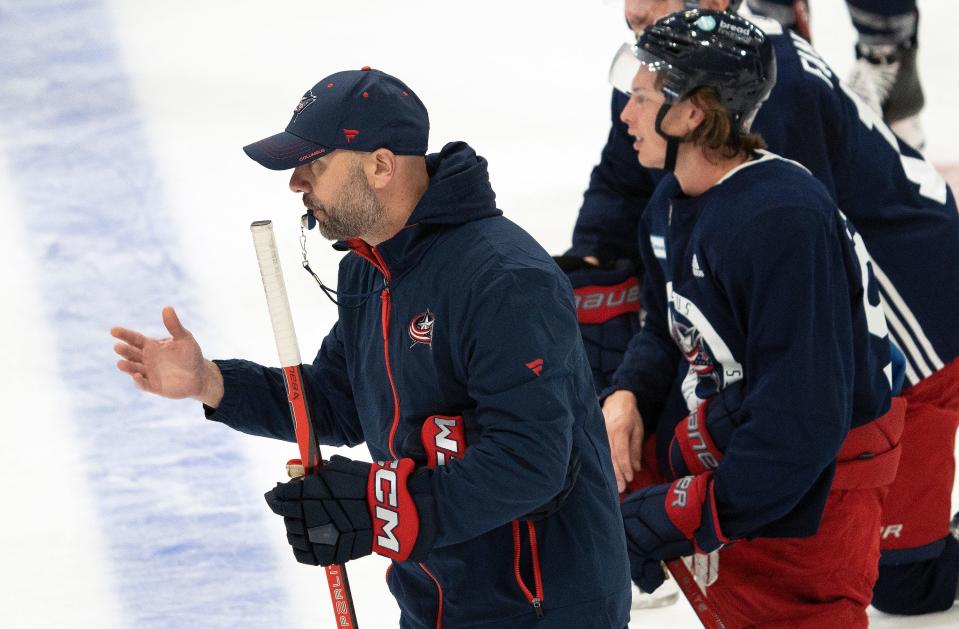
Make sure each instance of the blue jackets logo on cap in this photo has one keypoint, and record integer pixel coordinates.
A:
(307, 100)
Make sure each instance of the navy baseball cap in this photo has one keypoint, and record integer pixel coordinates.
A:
(357, 110)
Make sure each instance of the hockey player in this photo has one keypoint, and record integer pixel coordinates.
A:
(885, 74)
(756, 279)
(456, 343)
(908, 219)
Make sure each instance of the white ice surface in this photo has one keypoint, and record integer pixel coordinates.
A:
(53, 565)
(523, 82)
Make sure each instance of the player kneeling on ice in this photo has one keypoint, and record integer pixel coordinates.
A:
(456, 358)
(755, 278)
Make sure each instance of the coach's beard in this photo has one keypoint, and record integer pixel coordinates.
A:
(353, 213)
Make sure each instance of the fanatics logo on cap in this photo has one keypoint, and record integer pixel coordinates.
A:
(349, 134)
(421, 328)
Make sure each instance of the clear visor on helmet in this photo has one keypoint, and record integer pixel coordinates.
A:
(629, 60)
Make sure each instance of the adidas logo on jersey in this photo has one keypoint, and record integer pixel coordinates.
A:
(697, 272)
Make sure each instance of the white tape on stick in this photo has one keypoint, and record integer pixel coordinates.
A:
(279, 304)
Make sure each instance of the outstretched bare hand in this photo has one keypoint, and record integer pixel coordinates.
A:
(171, 367)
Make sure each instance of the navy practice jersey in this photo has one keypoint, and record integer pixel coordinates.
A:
(761, 281)
(897, 201)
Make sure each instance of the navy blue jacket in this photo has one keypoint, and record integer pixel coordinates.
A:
(900, 205)
(757, 283)
(505, 344)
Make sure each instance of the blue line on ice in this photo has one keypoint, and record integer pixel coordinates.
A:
(186, 541)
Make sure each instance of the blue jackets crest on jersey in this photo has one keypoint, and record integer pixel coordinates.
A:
(477, 317)
(760, 281)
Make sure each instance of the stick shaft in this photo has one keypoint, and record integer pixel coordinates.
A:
(289, 352)
(705, 610)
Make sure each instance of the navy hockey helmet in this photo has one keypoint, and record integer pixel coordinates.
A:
(698, 48)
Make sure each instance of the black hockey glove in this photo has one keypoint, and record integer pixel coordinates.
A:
(349, 509)
(607, 308)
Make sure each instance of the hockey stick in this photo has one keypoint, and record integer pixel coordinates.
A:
(706, 612)
(306, 439)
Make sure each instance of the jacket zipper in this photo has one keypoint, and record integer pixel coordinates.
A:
(374, 257)
(385, 299)
(535, 599)
(387, 302)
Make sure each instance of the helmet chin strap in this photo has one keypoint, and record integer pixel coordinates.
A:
(672, 141)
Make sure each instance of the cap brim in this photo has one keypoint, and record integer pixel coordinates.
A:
(284, 151)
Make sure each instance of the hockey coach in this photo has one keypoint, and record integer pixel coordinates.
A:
(456, 357)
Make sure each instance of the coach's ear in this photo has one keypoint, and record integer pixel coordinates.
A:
(380, 167)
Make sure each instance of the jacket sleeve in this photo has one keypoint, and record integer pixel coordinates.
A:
(527, 373)
(792, 296)
(652, 359)
(619, 188)
(255, 402)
